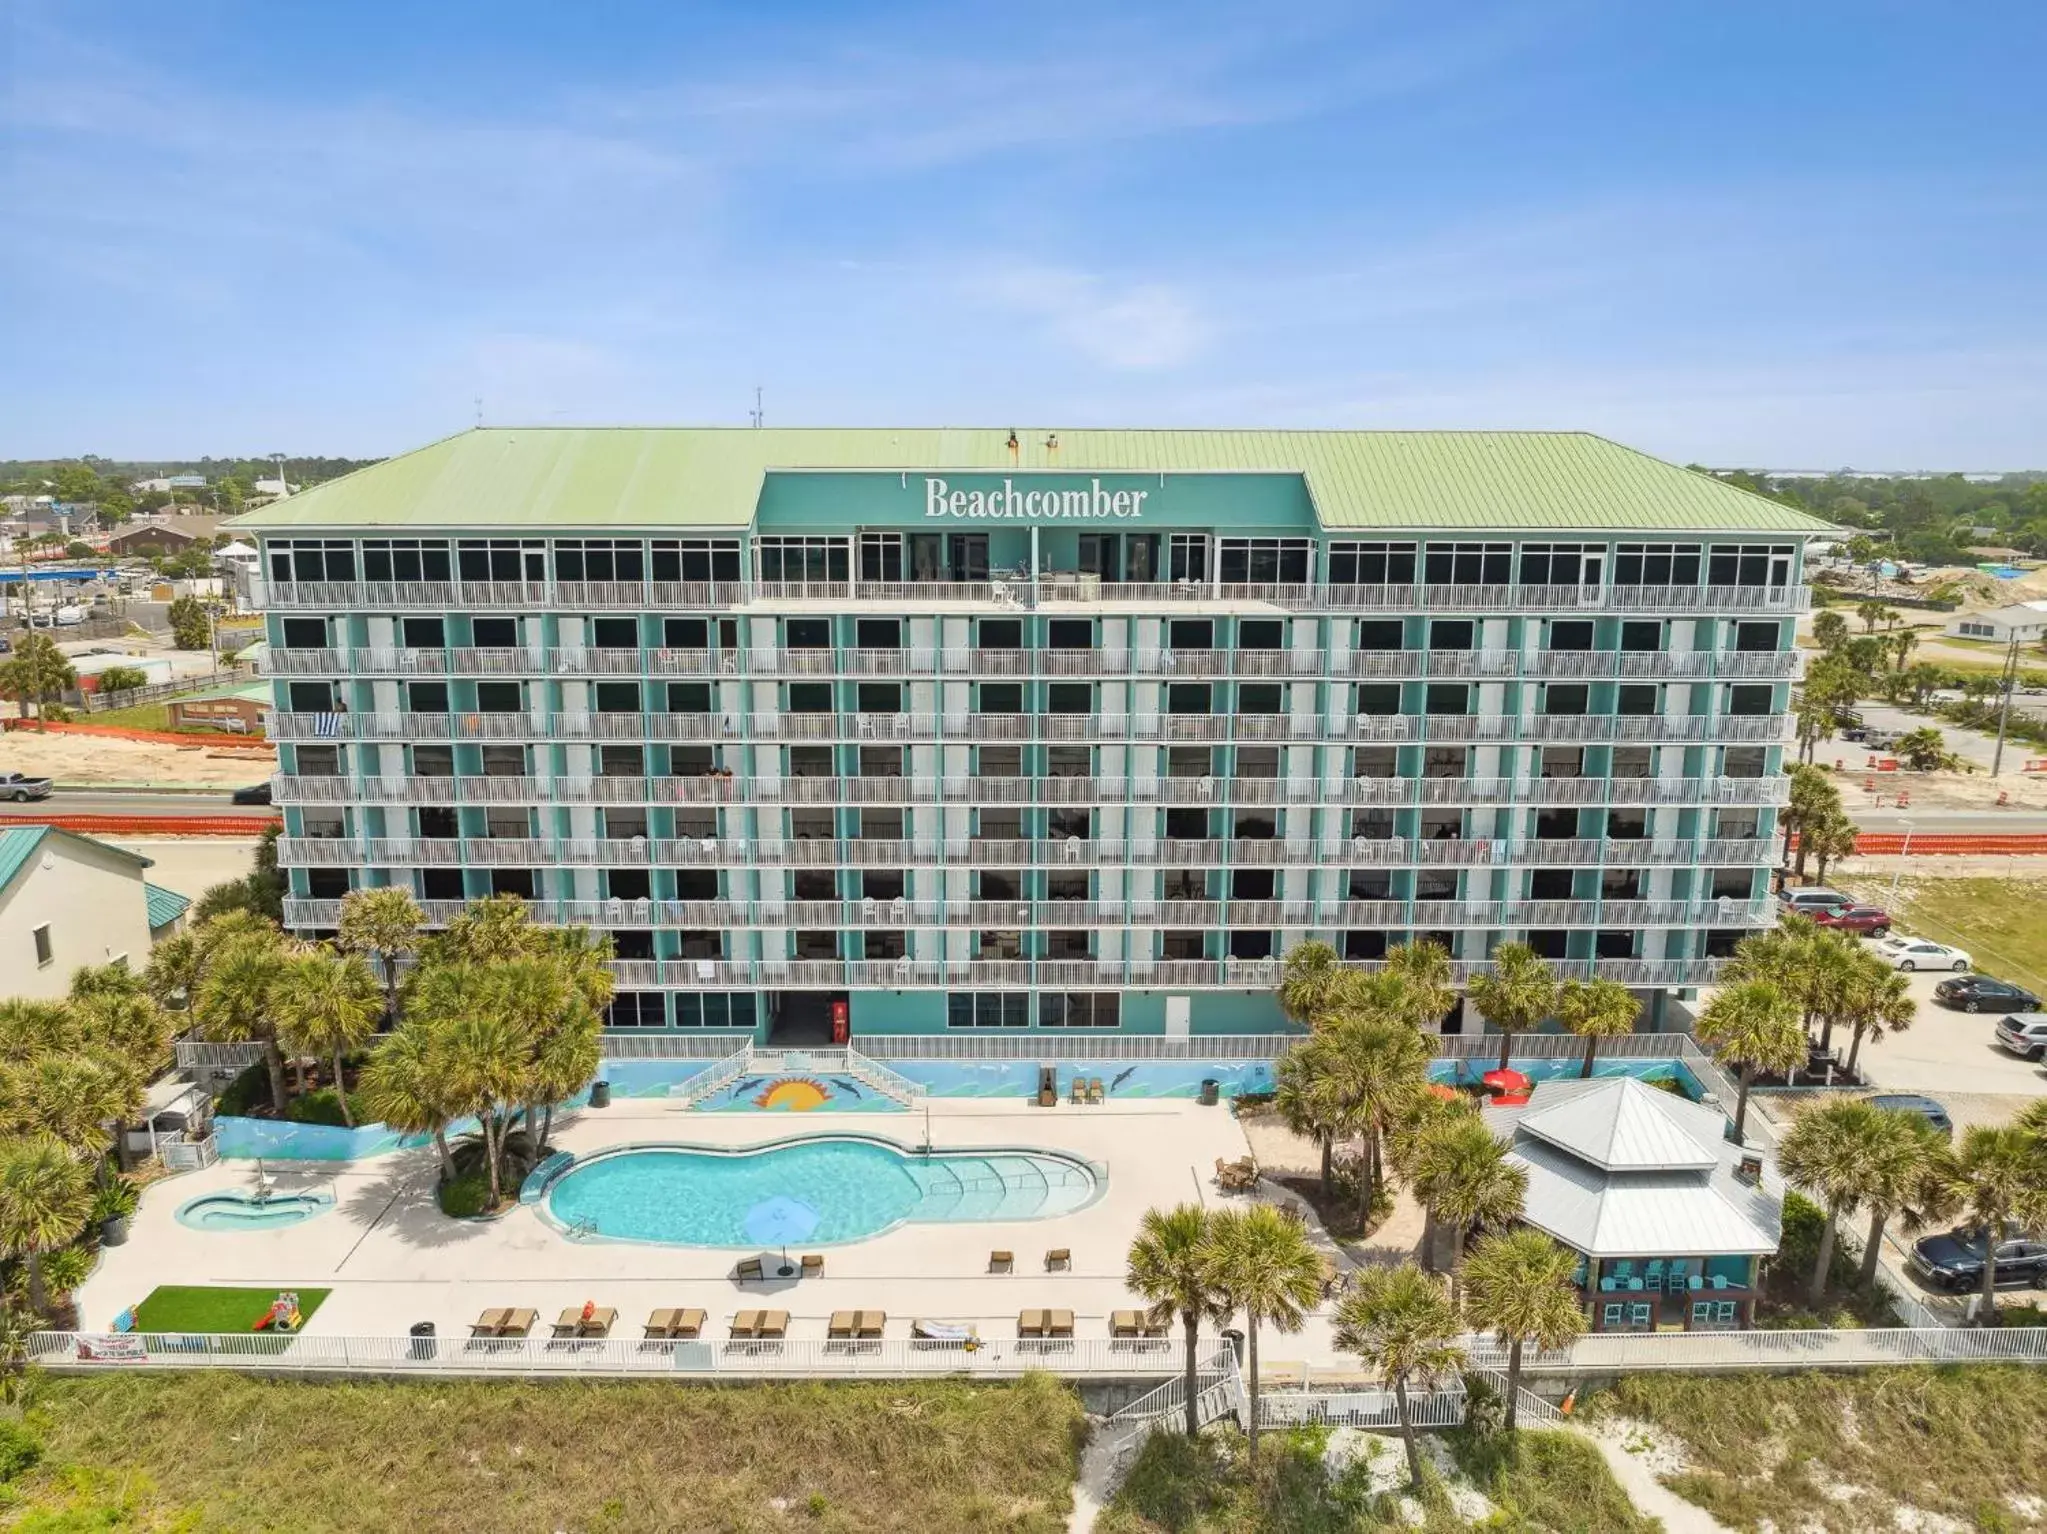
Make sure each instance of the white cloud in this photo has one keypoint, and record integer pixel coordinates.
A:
(1135, 326)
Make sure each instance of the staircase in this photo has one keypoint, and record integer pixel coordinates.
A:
(713, 1078)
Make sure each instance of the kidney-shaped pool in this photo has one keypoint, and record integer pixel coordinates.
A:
(819, 1191)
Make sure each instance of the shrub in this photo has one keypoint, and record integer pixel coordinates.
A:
(246, 1093)
(66, 1268)
(466, 1197)
(324, 1107)
(19, 1450)
(115, 1201)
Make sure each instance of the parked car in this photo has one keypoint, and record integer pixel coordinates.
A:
(1863, 920)
(2023, 1034)
(21, 789)
(255, 793)
(1981, 993)
(1912, 1102)
(1955, 1260)
(1807, 901)
(1910, 953)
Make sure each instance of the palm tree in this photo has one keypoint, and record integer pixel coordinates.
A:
(404, 1085)
(1829, 629)
(1400, 1321)
(1871, 613)
(484, 1055)
(1306, 1097)
(45, 1199)
(1310, 977)
(1754, 1026)
(1460, 1173)
(384, 923)
(1381, 1065)
(1833, 837)
(237, 999)
(1169, 1266)
(38, 672)
(1825, 1152)
(327, 1006)
(2000, 1177)
(173, 972)
(1520, 1285)
(1421, 974)
(1517, 993)
(1813, 794)
(1879, 1003)
(1903, 643)
(1908, 1174)
(1595, 1010)
(1260, 1263)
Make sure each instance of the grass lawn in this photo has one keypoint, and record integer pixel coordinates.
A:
(221, 1451)
(1844, 1452)
(2001, 922)
(1537, 1483)
(136, 716)
(179, 1308)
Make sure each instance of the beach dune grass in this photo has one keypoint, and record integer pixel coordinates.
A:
(221, 1450)
(200, 1308)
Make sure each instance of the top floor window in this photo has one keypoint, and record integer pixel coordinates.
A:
(1751, 564)
(1371, 564)
(406, 559)
(501, 559)
(1263, 561)
(1561, 564)
(696, 559)
(1656, 564)
(599, 559)
(804, 559)
(1468, 564)
(312, 559)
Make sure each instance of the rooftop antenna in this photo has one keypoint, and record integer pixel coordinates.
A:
(757, 415)
(479, 410)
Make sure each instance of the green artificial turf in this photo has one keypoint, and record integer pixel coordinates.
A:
(194, 1308)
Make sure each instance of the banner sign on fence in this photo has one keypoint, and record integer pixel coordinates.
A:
(111, 1348)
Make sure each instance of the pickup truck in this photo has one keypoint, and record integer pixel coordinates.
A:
(21, 789)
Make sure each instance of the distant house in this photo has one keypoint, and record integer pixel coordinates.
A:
(1669, 1215)
(237, 710)
(2025, 621)
(67, 900)
(274, 488)
(158, 537)
(166, 484)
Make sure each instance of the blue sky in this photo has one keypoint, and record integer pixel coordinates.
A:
(1799, 235)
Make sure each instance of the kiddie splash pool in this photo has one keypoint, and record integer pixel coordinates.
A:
(233, 1210)
(821, 1191)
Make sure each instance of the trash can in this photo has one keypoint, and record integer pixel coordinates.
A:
(1211, 1093)
(600, 1094)
(423, 1344)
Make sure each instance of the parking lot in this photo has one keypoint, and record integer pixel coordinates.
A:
(1947, 1051)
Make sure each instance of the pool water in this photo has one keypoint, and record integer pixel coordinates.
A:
(244, 1211)
(819, 1192)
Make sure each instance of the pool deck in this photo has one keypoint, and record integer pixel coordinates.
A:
(392, 1259)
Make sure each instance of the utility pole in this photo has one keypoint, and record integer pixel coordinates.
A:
(2011, 677)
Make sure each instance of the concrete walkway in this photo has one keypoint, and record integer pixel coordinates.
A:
(1651, 1497)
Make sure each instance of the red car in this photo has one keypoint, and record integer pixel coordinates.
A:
(1863, 920)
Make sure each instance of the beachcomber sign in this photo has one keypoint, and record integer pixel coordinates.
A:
(1089, 504)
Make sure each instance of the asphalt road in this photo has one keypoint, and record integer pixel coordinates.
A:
(99, 801)
(1930, 822)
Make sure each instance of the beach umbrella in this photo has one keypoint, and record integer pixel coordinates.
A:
(1509, 1087)
(779, 1220)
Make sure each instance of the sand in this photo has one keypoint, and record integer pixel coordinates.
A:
(89, 760)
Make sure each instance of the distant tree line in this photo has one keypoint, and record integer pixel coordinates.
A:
(1926, 521)
(105, 482)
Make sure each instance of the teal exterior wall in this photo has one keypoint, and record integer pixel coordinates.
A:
(794, 502)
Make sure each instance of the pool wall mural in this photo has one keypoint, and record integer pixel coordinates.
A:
(821, 1190)
(801, 1092)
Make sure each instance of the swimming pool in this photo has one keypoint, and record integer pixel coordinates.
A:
(244, 1211)
(820, 1191)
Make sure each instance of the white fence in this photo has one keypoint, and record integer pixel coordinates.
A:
(997, 1358)
(1638, 1352)
(195, 1055)
(1076, 1046)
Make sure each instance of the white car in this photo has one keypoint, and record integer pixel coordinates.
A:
(1910, 953)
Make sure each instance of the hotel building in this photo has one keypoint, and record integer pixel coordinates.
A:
(1014, 730)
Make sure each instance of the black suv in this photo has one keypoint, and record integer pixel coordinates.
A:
(1980, 993)
(1955, 1261)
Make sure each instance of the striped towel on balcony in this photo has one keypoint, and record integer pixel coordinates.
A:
(327, 726)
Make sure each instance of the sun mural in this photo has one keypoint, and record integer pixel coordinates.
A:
(794, 1094)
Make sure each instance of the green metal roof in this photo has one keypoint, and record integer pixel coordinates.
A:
(549, 477)
(165, 906)
(18, 846)
(253, 692)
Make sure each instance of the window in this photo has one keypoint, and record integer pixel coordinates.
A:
(807, 633)
(696, 559)
(1378, 698)
(686, 633)
(1750, 698)
(405, 559)
(501, 559)
(494, 633)
(600, 559)
(1756, 638)
(45, 951)
(803, 559)
(881, 761)
(1261, 698)
(1373, 761)
(1382, 634)
(1656, 564)
(1447, 698)
(1570, 633)
(314, 697)
(1187, 557)
(1371, 564)
(1565, 698)
(1188, 698)
(423, 633)
(614, 633)
(1264, 561)
(878, 633)
(319, 761)
(1257, 762)
(1560, 564)
(1071, 633)
(1070, 698)
(1191, 634)
(1079, 1009)
(312, 559)
(1751, 564)
(1642, 635)
(880, 698)
(810, 697)
(305, 633)
(988, 1009)
(714, 1009)
(504, 697)
(1638, 698)
(1452, 634)
(425, 697)
(1469, 564)
(881, 556)
(1261, 634)
(689, 697)
(636, 1009)
(1000, 634)
(1001, 697)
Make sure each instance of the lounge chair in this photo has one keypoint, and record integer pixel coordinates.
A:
(868, 1324)
(1125, 1323)
(1078, 1095)
(1059, 1257)
(1059, 1323)
(842, 1326)
(599, 1322)
(490, 1323)
(746, 1326)
(1030, 1323)
(813, 1264)
(518, 1323)
(945, 1334)
(750, 1268)
(1155, 1326)
(774, 1325)
(1094, 1089)
(1001, 1262)
(677, 1323)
